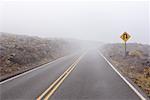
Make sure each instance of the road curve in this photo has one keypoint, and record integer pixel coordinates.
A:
(94, 79)
(91, 78)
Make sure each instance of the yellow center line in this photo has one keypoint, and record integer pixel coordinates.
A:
(55, 88)
(52, 88)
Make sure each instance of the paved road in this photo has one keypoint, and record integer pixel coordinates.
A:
(94, 79)
(91, 79)
(31, 85)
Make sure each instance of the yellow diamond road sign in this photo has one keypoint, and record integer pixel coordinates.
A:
(125, 36)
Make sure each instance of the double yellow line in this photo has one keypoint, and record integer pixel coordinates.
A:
(53, 87)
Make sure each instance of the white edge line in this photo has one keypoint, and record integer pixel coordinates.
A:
(128, 83)
(9, 79)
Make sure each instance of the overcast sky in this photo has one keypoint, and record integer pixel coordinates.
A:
(92, 20)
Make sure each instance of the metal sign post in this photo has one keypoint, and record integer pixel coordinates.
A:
(125, 37)
(125, 49)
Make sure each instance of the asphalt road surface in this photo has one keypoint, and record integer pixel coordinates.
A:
(88, 77)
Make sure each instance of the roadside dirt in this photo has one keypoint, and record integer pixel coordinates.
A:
(136, 64)
(20, 53)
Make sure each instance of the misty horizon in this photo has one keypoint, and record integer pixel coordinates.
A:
(68, 38)
(98, 21)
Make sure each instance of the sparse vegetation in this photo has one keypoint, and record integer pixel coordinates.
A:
(136, 65)
(19, 53)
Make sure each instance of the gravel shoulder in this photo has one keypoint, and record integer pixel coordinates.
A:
(136, 64)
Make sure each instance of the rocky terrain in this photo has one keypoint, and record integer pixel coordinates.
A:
(135, 65)
(20, 53)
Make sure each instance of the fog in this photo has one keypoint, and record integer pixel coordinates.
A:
(101, 21)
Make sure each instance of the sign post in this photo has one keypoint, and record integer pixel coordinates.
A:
(125, 46)
(125, 37)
